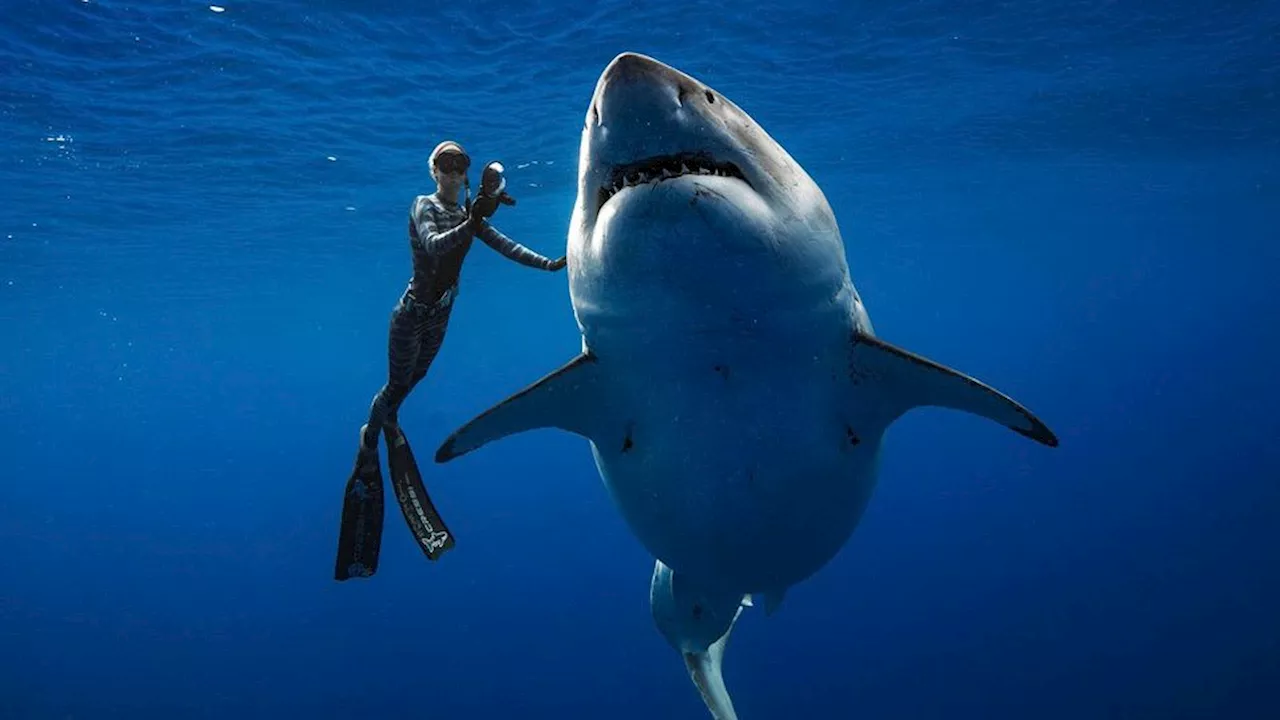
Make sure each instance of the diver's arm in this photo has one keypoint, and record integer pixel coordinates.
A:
(514, 250)
(431, 238)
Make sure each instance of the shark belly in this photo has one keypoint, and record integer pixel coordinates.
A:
(742, 466)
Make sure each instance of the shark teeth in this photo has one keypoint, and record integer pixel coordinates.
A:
(664, 167)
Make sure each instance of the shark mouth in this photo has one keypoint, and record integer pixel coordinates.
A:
(664, 167)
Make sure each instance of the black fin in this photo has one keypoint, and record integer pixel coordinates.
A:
(360, 531)
(428, 529)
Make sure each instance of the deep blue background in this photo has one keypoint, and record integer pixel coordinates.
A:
(1078, 202)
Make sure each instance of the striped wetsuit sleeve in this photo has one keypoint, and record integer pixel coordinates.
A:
(434, 234)
(510, 248)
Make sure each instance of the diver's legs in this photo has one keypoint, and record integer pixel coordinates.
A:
(360, 530)
(415, 341)
(430, 330)
(404, 347)
(428, 528)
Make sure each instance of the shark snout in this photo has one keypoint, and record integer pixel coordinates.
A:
(635, 88)
(634, 67)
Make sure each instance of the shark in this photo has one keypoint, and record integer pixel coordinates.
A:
(729, 383)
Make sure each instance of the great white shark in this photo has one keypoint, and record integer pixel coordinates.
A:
(730, 384)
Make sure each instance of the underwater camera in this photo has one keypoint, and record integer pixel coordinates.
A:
(493, 184)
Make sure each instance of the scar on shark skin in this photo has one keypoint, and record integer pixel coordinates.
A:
(700, 190)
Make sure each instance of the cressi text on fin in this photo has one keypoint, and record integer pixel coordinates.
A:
(433, 537)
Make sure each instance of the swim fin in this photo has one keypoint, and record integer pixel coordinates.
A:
(360, 534)
(419, 512)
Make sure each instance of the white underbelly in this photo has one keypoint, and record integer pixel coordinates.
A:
(743, 469)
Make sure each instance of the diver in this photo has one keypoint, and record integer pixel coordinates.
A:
(440, 235)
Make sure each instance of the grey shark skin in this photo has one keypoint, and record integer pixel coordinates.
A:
(730, 383)
(696, 623)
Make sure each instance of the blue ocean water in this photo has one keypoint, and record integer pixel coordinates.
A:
(202, 232)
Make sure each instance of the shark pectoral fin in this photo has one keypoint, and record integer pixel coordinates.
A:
(917, 381)
(706, 670)
(561, 400)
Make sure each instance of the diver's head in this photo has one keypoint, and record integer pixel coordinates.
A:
(449, 163)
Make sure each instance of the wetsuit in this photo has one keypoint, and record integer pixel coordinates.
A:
(440, 235)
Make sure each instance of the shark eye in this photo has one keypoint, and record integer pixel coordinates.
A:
(710, 98)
